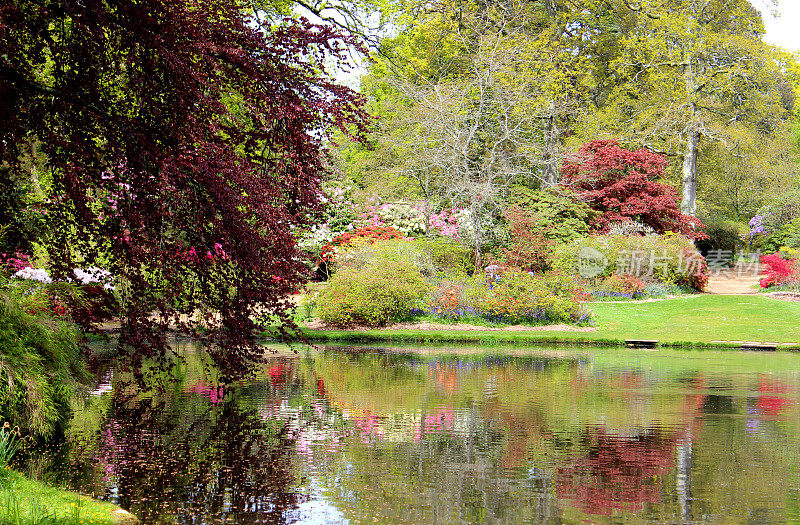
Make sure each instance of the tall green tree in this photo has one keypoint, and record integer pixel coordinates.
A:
(695, 73)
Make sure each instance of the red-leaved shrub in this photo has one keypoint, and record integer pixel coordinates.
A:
(777, 270)
(622, 185)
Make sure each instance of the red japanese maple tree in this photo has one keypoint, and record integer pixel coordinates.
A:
(172, 128)
(623, 185)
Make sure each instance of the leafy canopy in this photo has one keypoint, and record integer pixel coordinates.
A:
(185, 142)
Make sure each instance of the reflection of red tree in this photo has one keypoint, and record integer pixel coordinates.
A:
(276, 375)
(771, 405)
(445, 376)
(618, 473)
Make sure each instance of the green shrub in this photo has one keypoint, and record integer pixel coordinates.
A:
(787, 235)
(39, 366)
(521, 297)
(559, 216)
(726, 236)
(447, 255)
(377, 286)
(782, 210)
(670, 259)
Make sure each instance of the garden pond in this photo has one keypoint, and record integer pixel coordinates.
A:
(445, 435)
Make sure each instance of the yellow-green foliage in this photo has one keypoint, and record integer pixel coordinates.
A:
(27, 502)
(669, 258)
(39, 365)
(376, 286)
(447, 256)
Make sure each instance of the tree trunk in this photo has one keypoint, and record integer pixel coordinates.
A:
(478, 244)
(689, 202)
(550, 155)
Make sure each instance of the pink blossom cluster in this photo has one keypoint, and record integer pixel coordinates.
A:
(37, 209)
(219, 252)
(446, 222)
(15, 262)
(372, 217)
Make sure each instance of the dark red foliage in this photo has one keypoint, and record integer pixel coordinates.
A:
(622, 185)
(168, 124)
(617, 473)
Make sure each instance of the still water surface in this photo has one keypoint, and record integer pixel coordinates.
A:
(449, 435)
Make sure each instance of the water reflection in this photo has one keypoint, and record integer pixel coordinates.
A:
(425, 437)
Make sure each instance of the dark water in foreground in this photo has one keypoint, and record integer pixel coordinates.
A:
(343, 436)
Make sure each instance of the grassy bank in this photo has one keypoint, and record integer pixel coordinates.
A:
(702, 320)
(24, 501)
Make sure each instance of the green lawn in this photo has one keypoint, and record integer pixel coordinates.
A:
(700, 319)
(24, 501)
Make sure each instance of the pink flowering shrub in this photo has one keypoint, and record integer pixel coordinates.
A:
(16, 262)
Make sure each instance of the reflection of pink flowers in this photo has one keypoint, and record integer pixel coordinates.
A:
(215, 394)
(438, 421)
(105, 454)
(368, 428)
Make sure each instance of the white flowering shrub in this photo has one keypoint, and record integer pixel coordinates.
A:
(34, 274)
(88, 276)
(402, 216)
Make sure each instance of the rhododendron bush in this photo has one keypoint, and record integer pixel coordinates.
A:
(173, 125)
(345, 242)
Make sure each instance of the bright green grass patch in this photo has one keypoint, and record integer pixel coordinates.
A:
(694, 320)
(27, 502)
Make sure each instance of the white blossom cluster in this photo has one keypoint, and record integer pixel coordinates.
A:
(91, 275)
(316, 237)
(630, 228)
(34, 274)
(406, 218)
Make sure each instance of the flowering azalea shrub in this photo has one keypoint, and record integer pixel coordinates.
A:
(401, 216)
(620, 287)
(778, 271)
(456, 298)
(670, 259)
(397, 279)
(445, 223)
(360, 237)
(409, 218)
(339, 214)
(523, 297)
(15, 262)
